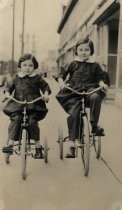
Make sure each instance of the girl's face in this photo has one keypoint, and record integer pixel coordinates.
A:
(83, 51)
(27, 67)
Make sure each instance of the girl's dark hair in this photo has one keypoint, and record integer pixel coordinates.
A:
(28, 57)
(83, 41)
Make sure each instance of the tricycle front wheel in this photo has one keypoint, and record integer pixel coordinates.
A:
(23, 154)
(7, 158)
(45, 151)
(60, 141)
(97, 145)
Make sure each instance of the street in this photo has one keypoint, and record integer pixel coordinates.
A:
(60, 184)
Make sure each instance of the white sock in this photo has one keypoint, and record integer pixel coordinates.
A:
(72, 143)
(37, 144)
(11, 142)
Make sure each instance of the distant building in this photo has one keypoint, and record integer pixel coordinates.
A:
(50, 64)
(43, 68)
(102, 21)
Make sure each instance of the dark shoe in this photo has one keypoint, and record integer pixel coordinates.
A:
(8, 149)
(71, 153)
(39, 153)
(98, 131)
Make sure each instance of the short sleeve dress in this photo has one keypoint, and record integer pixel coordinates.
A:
(82, 76)
(26, 88)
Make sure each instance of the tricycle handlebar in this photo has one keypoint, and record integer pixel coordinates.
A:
(83, 93)
(26, 102)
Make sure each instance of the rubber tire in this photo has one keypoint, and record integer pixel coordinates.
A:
(45, 151)
(7, 157)
(60, 135)
(23, 154)
(97, 145)
(85, 150)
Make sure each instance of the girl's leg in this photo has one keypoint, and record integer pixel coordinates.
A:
(14, 128)
(94, 102)
(73, 122)
(71, 150)
(73, 127)
(14, 131)
(34, 133)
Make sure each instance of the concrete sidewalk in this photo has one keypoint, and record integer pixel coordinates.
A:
(111, 120)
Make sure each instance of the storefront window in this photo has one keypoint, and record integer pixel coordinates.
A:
(120, 74)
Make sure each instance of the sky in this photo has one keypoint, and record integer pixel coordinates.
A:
(42, 18)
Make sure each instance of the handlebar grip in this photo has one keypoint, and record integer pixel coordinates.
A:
(5, 99)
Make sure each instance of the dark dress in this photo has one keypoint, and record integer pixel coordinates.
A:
(82, 76)
(26, 88)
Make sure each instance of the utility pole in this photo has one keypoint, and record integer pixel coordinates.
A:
(13, 26)
(27, 41)
(33, 43)
(23, 27)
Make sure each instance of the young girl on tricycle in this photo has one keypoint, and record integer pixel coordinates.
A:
(26, 85)
(84, 75)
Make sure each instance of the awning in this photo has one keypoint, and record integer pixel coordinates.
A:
(110, 7)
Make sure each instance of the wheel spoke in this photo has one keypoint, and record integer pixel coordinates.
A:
(60, 140)
(23, 153)
(85, 145)
(45, 151)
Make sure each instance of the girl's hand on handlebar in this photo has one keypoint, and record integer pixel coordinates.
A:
(5, 96)
(61, 83)
(46, 97)
(103, 86)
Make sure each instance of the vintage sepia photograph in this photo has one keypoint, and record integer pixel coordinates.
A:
(60, 104)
